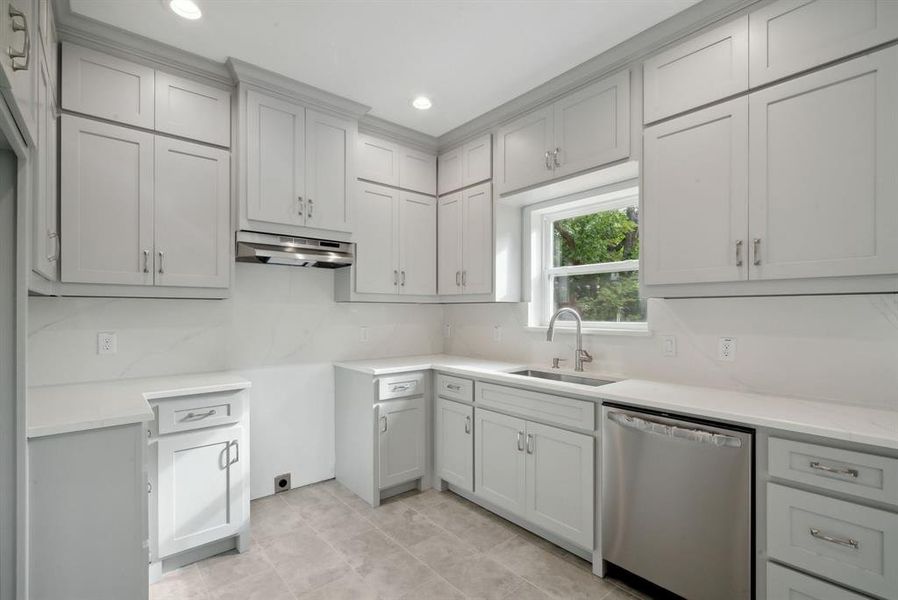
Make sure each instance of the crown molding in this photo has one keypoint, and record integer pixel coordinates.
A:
(397, 133)
(624, 55)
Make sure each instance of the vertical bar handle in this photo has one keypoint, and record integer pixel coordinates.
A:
(529, 443)
(384, 424)
(756, 251)
(520, 441)
(467, 424)
(738, 253)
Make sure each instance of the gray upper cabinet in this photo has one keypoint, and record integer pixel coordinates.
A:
(192, 110)
(791, 36)
(466, 165)
(104, 86)
(389, 163)
(583, 130)
(329, 148)
(45, 216)
(701, 70)
(417, 171)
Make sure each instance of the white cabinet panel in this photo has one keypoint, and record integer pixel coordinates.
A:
(378, 160)
(449, 241)
(107, 203)
(696, 165)
(417, 171)
(104, 86)
(454, 432)
(192, 110)
(792, 585)
(192, 220)
(417, 244)
(592, 126)
(18, 34)
(524, 147)
(560, 482)
(377, 239)
(401, 441)
(200, 495)
(793, 35)
(499, 460)
(449, 171)
(329, 144)
(823, 185)
(45, 237)
(275, 160)
(477, 239)
(708, 67)
(477, 160)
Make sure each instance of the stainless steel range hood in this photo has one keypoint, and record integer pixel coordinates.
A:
(292, 251)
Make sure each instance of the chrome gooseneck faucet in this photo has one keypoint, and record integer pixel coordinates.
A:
(580, 355)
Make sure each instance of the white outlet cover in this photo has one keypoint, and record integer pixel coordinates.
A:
(669, 345)
(497, 333)
(363, 334)
(447, 331)
(107, 342)
(726, 349)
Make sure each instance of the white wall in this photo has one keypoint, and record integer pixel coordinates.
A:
(839, 348)
(281, 329)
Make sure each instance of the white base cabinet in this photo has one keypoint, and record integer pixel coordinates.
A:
(454, 443)
(500, 460)
(400, 441)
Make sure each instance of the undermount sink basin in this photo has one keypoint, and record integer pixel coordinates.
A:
(562, 377)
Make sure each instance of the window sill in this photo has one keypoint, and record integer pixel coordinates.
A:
(613, 331)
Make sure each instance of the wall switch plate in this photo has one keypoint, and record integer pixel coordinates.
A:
(282, 483)
(106, 342)
(669, 345)
(726, 349)
(497, 333)
(363, 334)
(447, 331)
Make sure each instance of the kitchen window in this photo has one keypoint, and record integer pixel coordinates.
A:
(589, 261)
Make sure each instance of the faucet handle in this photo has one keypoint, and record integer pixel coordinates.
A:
(555, 362)
(585, 356)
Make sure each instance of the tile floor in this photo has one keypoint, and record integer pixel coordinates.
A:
(323, 542)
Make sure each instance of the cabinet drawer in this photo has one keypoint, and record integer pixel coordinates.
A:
(198, 411)
(455, 388)
(400, 386)
(848, 543)
(786, 583)
(856, 473)
(535, 405)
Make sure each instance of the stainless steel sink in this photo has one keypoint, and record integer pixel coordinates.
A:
(562, 377)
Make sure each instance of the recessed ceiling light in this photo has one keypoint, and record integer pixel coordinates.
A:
(422, 103)
(186, 8)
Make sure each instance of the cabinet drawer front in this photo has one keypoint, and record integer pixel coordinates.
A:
(554, 409)
(788, 584)
(848, 543)
(198, 411)
(793, 35)
(400, 386)
(455, 388)
(706, 68)
(192, 110)
(856, 473)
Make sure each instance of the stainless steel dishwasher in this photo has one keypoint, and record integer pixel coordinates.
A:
(677, 503)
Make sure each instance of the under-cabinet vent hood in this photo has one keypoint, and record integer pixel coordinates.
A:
(293, 251)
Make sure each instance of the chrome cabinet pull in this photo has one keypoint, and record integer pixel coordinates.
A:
(402, 278)
(520, 441)
(192, 416)
(846, 542)
(395, 277)
(854, 473)
(149, 487)
(54, 255)
(454, 387)
(146, 261)
(311, 206)
(467, 424)
(25, 53)
(161, 259)
(464, 278)
(548, 164)
(237, 451)
(529, 443)
(384, 424)
(458, 278)
(738, 253)
(302, 208)
(555, 157)
(756, 250)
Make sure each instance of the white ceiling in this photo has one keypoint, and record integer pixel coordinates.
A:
(467, 56)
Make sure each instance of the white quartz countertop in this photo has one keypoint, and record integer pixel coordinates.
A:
(56, 409)
(852, 423)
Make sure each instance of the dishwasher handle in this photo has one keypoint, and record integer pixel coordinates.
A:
(690, 434)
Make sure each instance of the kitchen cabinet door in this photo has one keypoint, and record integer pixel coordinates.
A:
(100, 85)
(376, 239)
(449, 171)
(417, 244)
(449, 242)
(477, 239)
(192, 110)
(560, 482)
(192, 208)
(19, 74)
(275, 160)
(499, 460)
(455, 443)
(417, 171)
(477, 160)
(378, 160)
(823, 188)
(525, 150)
(106, 178)
(695, 197)
(790, 36)
(592, 126)
(329, 144)
(45, 238)
(400, 441)
(200, 490)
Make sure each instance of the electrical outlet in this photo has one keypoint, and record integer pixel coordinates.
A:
(669, 345)
(497, 333)
(447, 331)
(106, 342)
(726, 349)
(363, 334)
(282, 483)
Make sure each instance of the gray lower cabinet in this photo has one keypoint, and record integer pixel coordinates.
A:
(786, 583)
(499, 460)
(454, 443)
(401, 455)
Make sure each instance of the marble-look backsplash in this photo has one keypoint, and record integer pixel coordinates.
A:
(838, 348)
